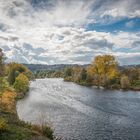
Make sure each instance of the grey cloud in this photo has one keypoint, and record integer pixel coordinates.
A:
(4, 38)
(33, 35)
(68, 13)
(29, 47)
(5, 48)
(98, 44)
(9, 38)
(3, 27)
(130, 59)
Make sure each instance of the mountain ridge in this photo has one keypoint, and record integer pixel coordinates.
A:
(41, 67)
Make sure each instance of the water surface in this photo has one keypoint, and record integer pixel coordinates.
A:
(82, 113)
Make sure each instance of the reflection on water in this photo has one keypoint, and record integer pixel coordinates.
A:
(82, 113)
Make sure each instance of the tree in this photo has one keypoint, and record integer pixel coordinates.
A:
(103, 69)
(68, 72)
(1, 68)
(132, 73)
(125, 83)
(83, 74)
(1, 63)
(21, 83)
(76, 74)
(14, 69)
(3, 125)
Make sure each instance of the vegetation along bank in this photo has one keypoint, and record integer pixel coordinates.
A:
(104, 71)
(14, 84)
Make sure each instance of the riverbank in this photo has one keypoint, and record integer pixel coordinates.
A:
(12, 128)
(111, 87)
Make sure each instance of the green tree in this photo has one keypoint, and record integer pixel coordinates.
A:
(21, 83)
(83, 74)
(2, 67)
(68, 72)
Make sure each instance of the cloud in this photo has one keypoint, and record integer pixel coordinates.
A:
(70, 45)
(53, 31)
(24, 13)
(130, 24)
(119, 8)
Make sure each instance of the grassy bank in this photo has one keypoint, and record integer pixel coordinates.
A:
(12, 128)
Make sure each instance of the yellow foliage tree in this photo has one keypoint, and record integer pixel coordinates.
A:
(8, 100)
(103, 69)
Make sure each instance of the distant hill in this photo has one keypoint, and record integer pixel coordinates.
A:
(42, 67)
(131, 66)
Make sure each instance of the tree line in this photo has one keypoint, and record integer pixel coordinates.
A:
(14, 75)
(104, 71)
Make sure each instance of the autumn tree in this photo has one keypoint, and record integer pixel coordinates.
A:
(103, 69)
(14, 69)
(76, 73)
(132, 73)
(21, 83)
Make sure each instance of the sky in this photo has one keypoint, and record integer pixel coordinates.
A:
(70, 31)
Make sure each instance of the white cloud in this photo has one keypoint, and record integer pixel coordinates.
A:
(68, 45)
(55, 33)
(125, 8)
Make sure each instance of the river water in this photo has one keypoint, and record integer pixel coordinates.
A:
(82, 113)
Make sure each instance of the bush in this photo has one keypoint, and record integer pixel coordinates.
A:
(14, 69)
(47, 131)
(3, 125)
(8, 101)
(21, 83)
(68, 78)
(125, 83)
(4, 84)
(136, 83)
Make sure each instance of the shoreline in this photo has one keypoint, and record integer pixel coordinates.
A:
(93, 86)
(102, 87)
(15, 128)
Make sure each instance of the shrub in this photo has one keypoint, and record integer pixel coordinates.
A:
(68, 78)
(14, 69)
(21, 83)
(125, 83)
(44, 130)
(4, 84)
(8, 100)
(47, 131)
(3, 125)
(136, 83)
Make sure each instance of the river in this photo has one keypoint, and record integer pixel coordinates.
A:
(82, 113)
